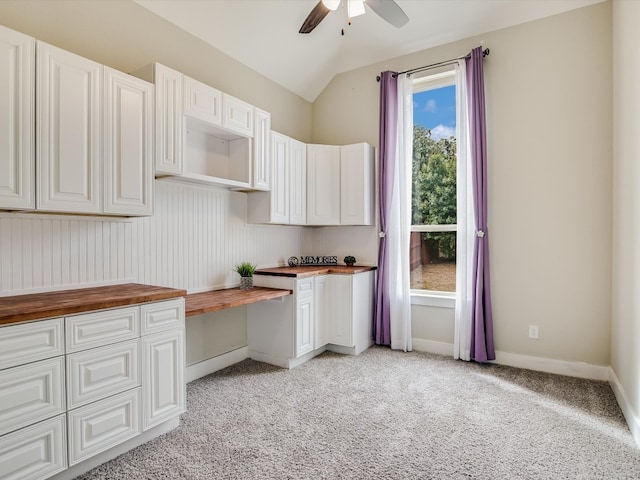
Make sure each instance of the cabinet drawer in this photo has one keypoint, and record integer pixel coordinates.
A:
(31, 393)
(102, 425)
(304, 288)
(161, 316)
(97, 373)
(101, 328)
(35, 452)
(30, 342)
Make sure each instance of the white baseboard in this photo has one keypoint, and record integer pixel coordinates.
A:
(550, 365)
(633, 420)
(540, 364)
(430, 346)
(214, 364)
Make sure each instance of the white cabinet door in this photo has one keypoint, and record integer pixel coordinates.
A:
(237, 116)
(280, 178)
(68, 128)
(30, 393)
(304, 323)
(34, 453)
(262, 151)
(356, 184)
(168, 120)
(304, 326)
(297, 182)
(323, 185)
(128, 144)
(322, 302)
(202, 102)
(163, 395)
(17, 89)
(340, 292)
(101, 425)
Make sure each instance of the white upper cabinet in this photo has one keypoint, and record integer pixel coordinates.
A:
(168, 120)
(285, 203)
(237, 116)
(128, 144)
(297, 183)
(17, 88)
(323, 185)
(68, 127)
(94, 137)
(202, 101)
(356, 184)
(340, 185)
(261, 150)
(205, 136)
(279, 195)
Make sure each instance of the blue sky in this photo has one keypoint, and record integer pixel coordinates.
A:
(436, 110)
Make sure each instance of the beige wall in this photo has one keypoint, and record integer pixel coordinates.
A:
(549, 110)
(126, 36)
(625, 334)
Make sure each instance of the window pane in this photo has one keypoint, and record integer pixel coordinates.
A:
(433, 261)
(434, 179)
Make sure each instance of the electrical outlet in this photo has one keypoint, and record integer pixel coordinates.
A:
(533, 331)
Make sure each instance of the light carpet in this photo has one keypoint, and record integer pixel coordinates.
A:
(388, 415)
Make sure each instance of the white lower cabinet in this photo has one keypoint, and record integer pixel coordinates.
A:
(101, 425)
(331, 311)
(321, 293)
(99, 372)
(118, 372)
(305, 316)
(35, 452)
(31, 393)
(163, 366)
(350, 311)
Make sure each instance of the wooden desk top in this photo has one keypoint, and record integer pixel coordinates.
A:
(34, 306)
(199, 303)
(311, 270)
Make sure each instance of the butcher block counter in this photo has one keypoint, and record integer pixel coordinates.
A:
(22, 308)
(313, 270)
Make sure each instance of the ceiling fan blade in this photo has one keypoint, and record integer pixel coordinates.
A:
(390, 11)
(314, 18)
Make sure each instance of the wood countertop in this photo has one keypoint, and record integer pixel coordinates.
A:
(199, 303)
(34, 306)
(312, 270)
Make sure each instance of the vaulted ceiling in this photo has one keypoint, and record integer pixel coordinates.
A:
(263, 34)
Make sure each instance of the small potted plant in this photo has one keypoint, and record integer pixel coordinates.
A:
(349, 260)
(246, 269)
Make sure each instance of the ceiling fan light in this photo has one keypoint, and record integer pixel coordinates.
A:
(355, 8)
(331, 4)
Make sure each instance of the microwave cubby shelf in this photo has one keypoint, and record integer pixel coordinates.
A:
(213, 156)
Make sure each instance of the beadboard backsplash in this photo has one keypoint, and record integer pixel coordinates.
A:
(193, 240)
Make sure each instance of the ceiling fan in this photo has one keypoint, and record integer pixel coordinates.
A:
(387, 9)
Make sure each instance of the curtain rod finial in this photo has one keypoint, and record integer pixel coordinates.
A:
(485, 52)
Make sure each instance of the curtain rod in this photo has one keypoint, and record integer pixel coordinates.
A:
(485, 53)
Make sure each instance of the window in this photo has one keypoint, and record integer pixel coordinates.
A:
(433, 230)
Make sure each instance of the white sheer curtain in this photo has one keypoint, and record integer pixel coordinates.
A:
(465, 221)
(399, 223)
